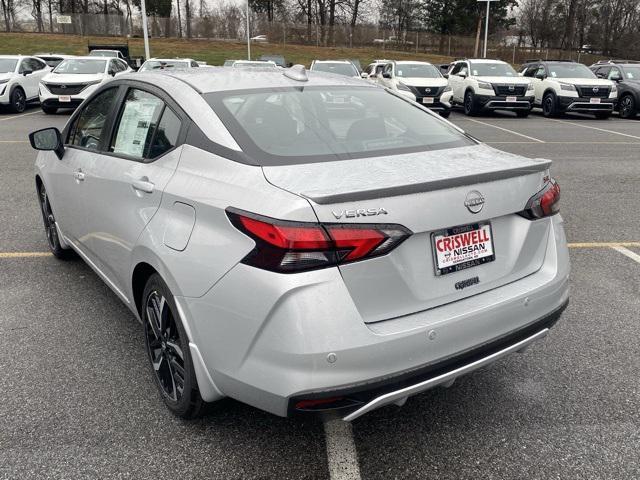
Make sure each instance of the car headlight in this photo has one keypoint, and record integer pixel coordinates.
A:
(568, 87)
(447, 88)
(485, 85)
(614, 89)
(403, 87)
(4, 81)
(529, 86)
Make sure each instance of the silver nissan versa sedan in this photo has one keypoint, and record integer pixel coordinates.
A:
(302, 241)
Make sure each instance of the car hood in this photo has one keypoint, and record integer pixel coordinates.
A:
(424, 82)
(596, 82)
(73, 78)
(509, 80)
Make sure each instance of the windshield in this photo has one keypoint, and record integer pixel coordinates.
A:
(162, 64)
(81, 66)
(492, 70)
(416, 70)
(103, 53)
(569, 70)
(338, 68)
(7, 65)
(632, 73)
(312, 124)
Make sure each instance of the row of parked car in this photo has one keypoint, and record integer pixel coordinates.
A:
(481, 85)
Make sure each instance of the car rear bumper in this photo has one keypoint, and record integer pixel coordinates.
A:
(293, 338)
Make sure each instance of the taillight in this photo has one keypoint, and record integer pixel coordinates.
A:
(287, 247)
(544, 203)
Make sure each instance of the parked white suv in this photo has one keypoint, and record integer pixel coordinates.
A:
(420, 80)
(75, 79)
(374, 69)
(19, 79)
(482, 84)
(566, 86)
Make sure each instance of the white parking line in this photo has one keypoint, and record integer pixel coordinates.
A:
(628, 253)
(342, 456)
(595, 128)
(4, 119)
(507, 130)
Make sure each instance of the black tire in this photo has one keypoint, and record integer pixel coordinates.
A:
(168, 350)
(549, 107)
(50, 110)
(18, 100)
(522, 113)
(602, 115)
(445, 113)
(627, 107)
(470, 107)
(50, 227)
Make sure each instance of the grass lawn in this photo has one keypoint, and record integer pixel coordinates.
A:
(212, 52)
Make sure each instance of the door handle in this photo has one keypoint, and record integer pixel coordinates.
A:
(79, 175)
(143, 185)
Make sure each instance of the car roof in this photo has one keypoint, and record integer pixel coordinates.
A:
(484, 60)
(169, 60)
(334, 61)
(216, 79)
(87, 57)
(404, 62)
(15, 57)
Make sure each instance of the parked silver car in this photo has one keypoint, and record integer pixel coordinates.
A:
(299, 241)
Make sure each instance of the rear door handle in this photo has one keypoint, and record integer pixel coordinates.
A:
(143, 185)
(79, 175)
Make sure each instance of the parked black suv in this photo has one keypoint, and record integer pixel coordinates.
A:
(626, 73)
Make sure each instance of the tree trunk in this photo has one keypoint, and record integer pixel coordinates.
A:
(179, 20)
(187, 13)
(478, 29)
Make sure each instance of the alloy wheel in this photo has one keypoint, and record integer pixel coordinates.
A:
(163, 346)
(626, 107)
(20, 102)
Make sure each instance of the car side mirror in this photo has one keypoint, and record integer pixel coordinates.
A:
(47, 139)
(600, 75)
(112, 73)
(386, 75)
(462, 74)
(445, 75)
(540, 76)
(27, 72)
(364, 75)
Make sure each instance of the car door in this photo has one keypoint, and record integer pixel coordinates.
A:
(65, 177)
(29, 79)
(456, 81)
(126, 180)
(387, 72)
(538, 75)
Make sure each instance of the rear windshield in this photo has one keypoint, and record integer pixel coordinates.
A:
(81, 66)
(312, 124)
(416, 70)
(492, 70)
(338, 68)
(7, 65)
(163, 65)
(569, 70)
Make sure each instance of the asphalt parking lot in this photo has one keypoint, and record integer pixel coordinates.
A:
(78, 399)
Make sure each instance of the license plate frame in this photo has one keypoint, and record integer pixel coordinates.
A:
(64, 98)
(463, 264)
(428, 100)
(595, 100)
(512, 99)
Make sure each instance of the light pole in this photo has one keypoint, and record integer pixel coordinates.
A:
(248, 38)
(486, 26)
(145, 29)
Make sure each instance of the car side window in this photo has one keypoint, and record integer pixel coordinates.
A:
(166, 135)
(540, 71)
(456, 69)
(195, 65)
(464, 69)
(24, 66)
(387, 68)
(123, 66)
(614, 74)
(530, 70)
(137, 126)
(88, 130)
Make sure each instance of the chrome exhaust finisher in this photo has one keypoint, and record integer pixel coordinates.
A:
(398, 396)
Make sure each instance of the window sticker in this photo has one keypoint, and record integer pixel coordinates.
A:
(134, 127)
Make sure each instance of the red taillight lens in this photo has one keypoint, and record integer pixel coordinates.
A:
(287, 247)
(544, 203)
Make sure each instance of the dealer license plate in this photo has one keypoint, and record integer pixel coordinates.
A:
(427, 100)
(594, 100)
(463, 247)
(512, 99)
(64, 98)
